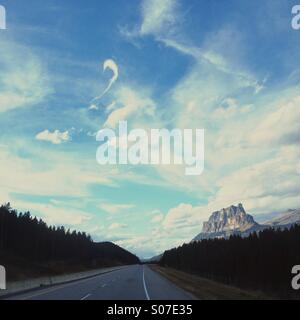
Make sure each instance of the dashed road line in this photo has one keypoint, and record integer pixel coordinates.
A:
(85, 297)
(144, 283)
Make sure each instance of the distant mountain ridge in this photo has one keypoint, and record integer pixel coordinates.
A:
(29, 248)
(235, 221)
(154, 259)
(288, 218)
(115, 254)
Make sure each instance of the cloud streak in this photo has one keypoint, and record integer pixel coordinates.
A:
(111, 65)
(55, 137)
(23, 79)
(158, 16)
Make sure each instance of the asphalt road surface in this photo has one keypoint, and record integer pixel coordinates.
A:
(136, 282)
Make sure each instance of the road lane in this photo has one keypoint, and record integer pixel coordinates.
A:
(159, 288)
(130, 283)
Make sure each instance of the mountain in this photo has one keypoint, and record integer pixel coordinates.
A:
(30, 248)
(235, 221)
(154, 259)
(243, 262)
(231, 218)
(112, 253)
(226, 222)
(288, 218)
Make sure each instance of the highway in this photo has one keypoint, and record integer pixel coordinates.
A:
(135, 282)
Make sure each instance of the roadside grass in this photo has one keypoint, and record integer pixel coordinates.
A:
(205, 289)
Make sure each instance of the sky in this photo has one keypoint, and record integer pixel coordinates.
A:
(229, 67)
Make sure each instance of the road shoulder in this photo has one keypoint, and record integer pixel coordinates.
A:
(205, 289)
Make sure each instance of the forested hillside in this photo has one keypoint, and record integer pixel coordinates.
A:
(262, 261)
(29, 246)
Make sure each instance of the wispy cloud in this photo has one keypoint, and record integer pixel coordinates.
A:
(135, 103)
(55, 137)
(111, 65)
(23, 80)
(115, 208)
(55, 215)
(158, 16)
(206, 70)
(116, 226)
(285, 118)
(158, 218)
(47, 173)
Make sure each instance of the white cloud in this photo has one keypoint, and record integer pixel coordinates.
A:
(93, 107)
(158, 218)
(49, 174)
(136, 244)
(279, 126)
(55, 137)
(158, 240)
(111, 65)
(216, 61)
(116, 225)
(263, 174)
(155, 212)
(110, 107)
(265, 178)
(55, 215)
(136, 103)
(23, 78)
(115, 208)
(206, 97)
(270, 185)
(230, 108)
(182, 216)
(158, 16)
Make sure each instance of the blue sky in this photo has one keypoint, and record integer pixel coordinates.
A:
(229, 67)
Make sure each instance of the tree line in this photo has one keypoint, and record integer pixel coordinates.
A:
(25, 236)
(262, 261)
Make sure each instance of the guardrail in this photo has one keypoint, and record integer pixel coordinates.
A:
(31, 284)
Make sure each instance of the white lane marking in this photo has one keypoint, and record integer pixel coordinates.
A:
(85, 297)
(104, 285)
(144, 283)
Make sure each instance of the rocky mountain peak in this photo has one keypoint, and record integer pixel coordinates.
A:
(229, 219)
(235, 221)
